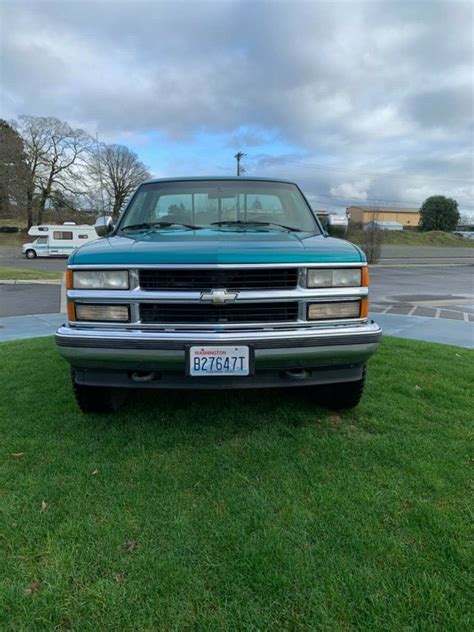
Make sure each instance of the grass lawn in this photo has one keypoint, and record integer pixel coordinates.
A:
(430, 238)
(238, 511)
(25, 274)
(410, 238)
(14, 239)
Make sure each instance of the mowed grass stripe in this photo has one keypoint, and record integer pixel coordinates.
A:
(26, 274)
(238, 510)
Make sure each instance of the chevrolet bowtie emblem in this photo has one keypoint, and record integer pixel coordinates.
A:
(219, 296)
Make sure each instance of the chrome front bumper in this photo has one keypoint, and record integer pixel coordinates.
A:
(166, 351)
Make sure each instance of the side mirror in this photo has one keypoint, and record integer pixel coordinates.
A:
(337, 225)
(103, 225)
(324, 219)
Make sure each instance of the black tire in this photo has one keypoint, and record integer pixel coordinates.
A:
(97, 399)
(342, 396)
(30, 254)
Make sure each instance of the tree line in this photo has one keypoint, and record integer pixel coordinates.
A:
(47, 164)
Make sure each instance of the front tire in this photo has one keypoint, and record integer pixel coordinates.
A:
(97, 399)
(30, 254)
(342, 396)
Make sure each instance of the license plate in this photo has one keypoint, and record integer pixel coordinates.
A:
(219, 360)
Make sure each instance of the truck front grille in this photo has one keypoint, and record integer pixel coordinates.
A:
(183, 313)
(228, 278)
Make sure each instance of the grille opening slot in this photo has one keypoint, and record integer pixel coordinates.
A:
(218, 314)
(208, 279)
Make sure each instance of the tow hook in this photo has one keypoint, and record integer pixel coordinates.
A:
(297, 374)
(143, 376)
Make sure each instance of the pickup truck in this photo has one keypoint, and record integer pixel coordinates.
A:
(217, 283)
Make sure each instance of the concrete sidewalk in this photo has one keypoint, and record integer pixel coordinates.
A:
(450, 332)
(17, 327)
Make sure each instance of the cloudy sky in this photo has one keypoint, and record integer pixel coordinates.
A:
(354, 100)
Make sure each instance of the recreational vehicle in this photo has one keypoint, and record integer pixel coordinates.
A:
(57, 240)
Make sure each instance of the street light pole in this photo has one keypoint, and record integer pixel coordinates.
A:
(238, 156)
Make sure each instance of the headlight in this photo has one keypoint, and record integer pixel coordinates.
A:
(102, 312)
(342, 277)
(328, 311)
(100, 280)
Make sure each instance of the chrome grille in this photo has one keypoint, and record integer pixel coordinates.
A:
(183, 313)
(228, 278)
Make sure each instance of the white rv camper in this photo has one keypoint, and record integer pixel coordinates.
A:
(57, 240)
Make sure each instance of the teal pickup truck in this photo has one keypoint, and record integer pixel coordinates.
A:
(217, 283)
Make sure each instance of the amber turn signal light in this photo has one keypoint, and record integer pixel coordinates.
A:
(71, 312)
(68, 279)
(364, 308)
(364, 281)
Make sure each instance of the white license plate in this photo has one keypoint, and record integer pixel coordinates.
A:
(219, 360)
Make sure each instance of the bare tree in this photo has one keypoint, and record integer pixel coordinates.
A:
(118, 171)
(55, 154)
(372, 238)
(13, 171)
(35, 144)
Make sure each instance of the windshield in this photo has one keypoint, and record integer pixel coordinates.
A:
(220, 205)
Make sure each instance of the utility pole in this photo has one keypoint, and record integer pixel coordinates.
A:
(238, 156)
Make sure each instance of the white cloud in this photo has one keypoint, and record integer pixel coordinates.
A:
(365, 86)
(358, 189)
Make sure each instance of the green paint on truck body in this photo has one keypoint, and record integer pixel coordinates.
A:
(210, 246)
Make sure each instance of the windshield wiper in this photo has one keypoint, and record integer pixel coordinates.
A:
(239, 222)
(150, 225)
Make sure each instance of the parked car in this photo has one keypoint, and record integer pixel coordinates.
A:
(217, 283)
(383, 225)
(9, 229)
(53, 240)
(334, 223)
(465, 234)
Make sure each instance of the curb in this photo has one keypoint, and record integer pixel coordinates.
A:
(35, 281)
(63, 300)
(420, 265)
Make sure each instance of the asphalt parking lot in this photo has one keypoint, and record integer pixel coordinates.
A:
(20, 299)
(431, 291)
(12, 257)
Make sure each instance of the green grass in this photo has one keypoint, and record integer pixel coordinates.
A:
(243, 511)
(14, 239)
(26, 274)
(412, 238)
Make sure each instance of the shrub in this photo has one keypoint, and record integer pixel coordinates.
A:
(439, 213)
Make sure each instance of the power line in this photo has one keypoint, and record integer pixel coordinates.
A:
(360, 199)
(375, 201)
(372, 173)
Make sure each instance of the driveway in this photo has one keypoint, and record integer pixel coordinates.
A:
(13, 258)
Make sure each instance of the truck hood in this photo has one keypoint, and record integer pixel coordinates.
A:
(214, 246)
